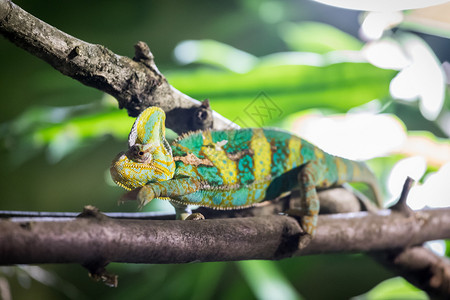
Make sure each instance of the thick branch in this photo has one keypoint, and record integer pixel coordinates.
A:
(135, 83)
(95, 240)
(28, 240)
(383, 230)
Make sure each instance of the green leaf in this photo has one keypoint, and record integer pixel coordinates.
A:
(317, 37)
(287, 88)
(382, 5)
(267, 281)
(215, 53)
(114, 122)
(395, 288)
(62, 129)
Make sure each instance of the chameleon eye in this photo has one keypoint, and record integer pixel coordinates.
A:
(144, 157)
(138, 154)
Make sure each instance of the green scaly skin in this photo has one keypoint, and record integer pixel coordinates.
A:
(229, 169)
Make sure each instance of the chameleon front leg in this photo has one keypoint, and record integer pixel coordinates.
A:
(171, 189)
(311, 175)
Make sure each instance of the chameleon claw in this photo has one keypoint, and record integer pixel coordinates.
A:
(129, 196)
(145, 195)
(195, 216)
(308, 223)
(141, 205)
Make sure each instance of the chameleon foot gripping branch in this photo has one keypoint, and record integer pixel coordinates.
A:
(229, 169)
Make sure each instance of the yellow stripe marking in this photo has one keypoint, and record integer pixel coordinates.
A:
(341, 170)
(356, 170)
(226, 166)
(294, 157)
(142, 120)
(262, 156)
(165, 169)
(318, 154)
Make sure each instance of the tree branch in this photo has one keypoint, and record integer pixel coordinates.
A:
(33, 240)
(421, 267)
(388, 236)
(135, 83)
(94, 240)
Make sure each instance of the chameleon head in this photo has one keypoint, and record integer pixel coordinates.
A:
(139, 165)
(149, 157)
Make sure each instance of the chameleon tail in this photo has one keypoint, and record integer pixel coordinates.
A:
(358, 171)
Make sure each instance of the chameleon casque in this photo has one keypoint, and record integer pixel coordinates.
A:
(229, 169)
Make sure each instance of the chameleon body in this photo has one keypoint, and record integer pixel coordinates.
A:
(229, 169)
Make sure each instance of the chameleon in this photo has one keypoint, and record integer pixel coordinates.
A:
(230, 169)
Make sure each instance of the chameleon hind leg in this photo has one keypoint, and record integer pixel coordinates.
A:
(308, 206)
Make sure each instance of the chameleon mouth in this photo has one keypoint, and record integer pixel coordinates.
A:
(130, 175)
(128, 181)
(121, 178)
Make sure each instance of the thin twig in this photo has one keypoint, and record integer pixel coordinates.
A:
(401, 205)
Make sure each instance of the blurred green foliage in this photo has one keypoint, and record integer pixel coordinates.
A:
(336, 87)
(57, 137)
(394, 289)
(296, 39)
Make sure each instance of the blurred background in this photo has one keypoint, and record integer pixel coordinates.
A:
(363, 85)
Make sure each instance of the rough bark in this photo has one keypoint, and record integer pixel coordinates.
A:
(40, 240)
(421, 267)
